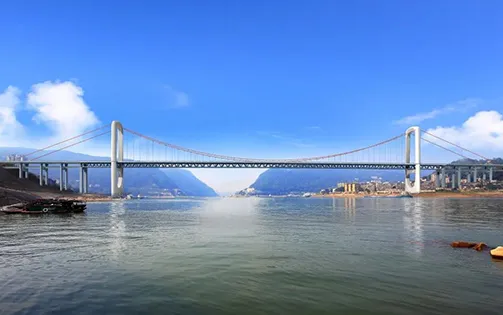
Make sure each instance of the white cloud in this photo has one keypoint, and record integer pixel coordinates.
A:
(60, 106)
(56, 106)
(10, 127)
(458, 106)
(176, 99)
(482, 131)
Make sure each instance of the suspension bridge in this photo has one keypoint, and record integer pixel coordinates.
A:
(131, 149)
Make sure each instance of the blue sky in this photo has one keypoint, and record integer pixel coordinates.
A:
(259, 78)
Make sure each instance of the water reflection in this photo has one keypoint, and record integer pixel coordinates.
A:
(498, 264)
(413, 224)
(349, 208)
(253, 256)
(117, 232)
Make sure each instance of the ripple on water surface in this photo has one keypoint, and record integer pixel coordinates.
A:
(254, 256)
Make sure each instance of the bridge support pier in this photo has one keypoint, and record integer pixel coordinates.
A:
(474, 174)
(468, 177)
(416, 187)
(490, 174)
(65, 170)
(442, 183)
(484, 177)
(23, 170)
(41, 175)
(117, 155)
(81, 178)
(61, 177)
(437, 178)
(83, 183)
(453, 181)
(459, 178)
(46, 174)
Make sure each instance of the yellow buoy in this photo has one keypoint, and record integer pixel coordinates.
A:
(497, 252)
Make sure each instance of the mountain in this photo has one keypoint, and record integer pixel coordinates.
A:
(188, 183)
(143, 181)
(284, 181)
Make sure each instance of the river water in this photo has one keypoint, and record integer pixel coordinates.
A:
(255, 256)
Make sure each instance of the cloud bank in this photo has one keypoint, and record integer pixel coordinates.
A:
(482, 131)
(61, 107)
(58, 107)
(9, 103)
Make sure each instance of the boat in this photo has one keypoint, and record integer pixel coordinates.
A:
(497, 253)
(306, 195)
(46, 206)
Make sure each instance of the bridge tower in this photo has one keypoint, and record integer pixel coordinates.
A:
(416, 187)
(117, 155)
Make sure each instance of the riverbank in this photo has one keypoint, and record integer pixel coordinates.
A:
(92, 198)
(15, 190)
(428, 194)
(462, 194)
(10, 196)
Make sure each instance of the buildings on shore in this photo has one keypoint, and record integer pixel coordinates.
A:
(376, 186)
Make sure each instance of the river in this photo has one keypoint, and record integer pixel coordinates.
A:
(255, 256)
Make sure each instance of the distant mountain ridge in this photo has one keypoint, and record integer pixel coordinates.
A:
(137, 181)
(285, 181)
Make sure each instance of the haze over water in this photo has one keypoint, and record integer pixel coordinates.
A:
(254, 256)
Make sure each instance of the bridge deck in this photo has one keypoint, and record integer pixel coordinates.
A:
(279, 164)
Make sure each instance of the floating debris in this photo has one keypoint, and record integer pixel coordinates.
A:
(477, 246)
(497, 253)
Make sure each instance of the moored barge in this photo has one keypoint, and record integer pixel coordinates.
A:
(46, 206)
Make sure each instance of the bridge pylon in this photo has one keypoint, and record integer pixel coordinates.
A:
(117, 155)
(413, 188)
